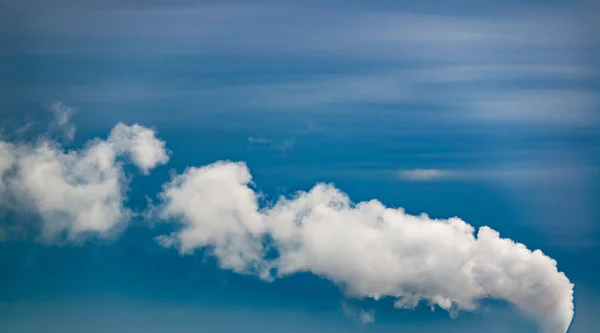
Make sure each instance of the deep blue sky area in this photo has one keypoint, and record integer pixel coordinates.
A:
(480, 110)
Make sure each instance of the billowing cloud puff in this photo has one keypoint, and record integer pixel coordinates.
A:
(140, 143)
(367, 248)
(77, 192)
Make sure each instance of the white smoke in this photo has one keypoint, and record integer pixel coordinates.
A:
(368, 249)
(76, 192)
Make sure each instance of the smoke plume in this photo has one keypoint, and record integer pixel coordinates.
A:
(368, 249)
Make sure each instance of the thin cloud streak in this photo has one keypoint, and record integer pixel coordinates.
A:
(516, 175)
(317, 29)
(412, 56)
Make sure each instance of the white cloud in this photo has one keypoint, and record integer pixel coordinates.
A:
(367, 317)
(281, 146)
(358, 315)
(515, 174)
(203, 196)
(77, 192)
(62, 114)
(140, 143)
(550, 107)
(411, 54)
(320, 30)
(6, 161)
(422, 174)
(368, 249)
(258, 140)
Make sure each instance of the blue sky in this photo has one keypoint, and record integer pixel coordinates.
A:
(486, 111)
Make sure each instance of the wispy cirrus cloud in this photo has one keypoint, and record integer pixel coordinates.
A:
(524, 174)
(258, 140)
(390, 55)
(62, 114)
(282, 146)
(359, 315)
(423, 174)
(290, 28)
(550, 107)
